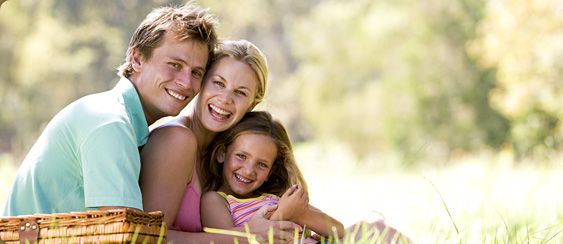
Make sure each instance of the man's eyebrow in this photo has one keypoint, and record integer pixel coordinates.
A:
(181, 60)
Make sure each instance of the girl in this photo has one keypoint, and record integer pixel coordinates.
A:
(251, 165)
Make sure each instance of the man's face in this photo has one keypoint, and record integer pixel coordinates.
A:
(170, 78)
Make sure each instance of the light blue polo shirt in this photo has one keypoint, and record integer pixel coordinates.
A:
(86, 157)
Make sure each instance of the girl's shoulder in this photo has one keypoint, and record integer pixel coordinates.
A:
(213, 196)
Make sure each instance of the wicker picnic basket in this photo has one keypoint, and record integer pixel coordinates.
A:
(113, 226)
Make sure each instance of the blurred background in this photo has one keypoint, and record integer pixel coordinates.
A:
(377, 85)
(398, 80)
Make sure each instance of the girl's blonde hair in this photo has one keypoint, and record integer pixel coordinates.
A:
(248, 53)
(283, 174)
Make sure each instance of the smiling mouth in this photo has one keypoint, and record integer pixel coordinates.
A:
(176, 95)
(243, 179)
(219, 113)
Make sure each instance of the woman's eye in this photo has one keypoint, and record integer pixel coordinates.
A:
(219, 83)
(241, 156)
(240, 93)
(263, 165)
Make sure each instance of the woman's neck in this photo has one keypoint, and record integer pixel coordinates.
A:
(203, 136)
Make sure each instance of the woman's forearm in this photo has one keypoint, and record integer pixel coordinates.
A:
(203, 237)
(320, 223)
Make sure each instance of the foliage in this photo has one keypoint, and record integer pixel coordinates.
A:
(393, 76)
(523, 40)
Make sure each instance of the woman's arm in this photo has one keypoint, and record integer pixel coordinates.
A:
(294, 206)
(168, 161)
(320, 222)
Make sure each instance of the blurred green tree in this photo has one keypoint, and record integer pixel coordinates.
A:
(523, 40)
(394, 76)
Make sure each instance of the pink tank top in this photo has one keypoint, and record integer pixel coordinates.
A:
(188, 218)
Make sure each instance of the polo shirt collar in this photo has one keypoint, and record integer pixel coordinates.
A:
(135, 109)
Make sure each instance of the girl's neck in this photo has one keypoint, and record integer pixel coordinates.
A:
(228, 191)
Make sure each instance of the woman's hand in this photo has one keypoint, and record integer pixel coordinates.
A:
(293, 203)
(260, 226)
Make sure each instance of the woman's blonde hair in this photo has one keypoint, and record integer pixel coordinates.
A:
(283, 174)
(248, 53)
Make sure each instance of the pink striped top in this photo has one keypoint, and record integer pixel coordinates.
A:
(243, 209)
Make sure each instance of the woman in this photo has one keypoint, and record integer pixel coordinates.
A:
(170, 180)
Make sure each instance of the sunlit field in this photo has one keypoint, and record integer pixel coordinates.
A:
(476, 199)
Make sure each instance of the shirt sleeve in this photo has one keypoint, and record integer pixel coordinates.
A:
(111, 166)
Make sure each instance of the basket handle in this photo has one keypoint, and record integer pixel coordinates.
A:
(28, 231)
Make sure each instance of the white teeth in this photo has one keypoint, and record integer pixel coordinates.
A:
(176, 95)
(218, 110)
(241, 179)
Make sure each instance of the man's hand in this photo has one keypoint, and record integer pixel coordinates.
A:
(260, 225)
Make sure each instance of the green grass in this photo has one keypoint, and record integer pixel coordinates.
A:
(486, 198)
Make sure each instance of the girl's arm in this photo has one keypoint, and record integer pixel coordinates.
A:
(294, 206)
(216, 213)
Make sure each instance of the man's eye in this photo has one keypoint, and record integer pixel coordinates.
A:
(198, 74)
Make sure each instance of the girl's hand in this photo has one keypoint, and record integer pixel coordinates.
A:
(293, 203)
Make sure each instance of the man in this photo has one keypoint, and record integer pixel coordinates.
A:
(87, 157)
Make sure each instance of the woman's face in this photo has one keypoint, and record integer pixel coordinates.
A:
(228, 93)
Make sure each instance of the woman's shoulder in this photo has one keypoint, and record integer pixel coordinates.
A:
(173, 129)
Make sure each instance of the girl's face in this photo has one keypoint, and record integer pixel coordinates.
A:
(228, 93)
(248, 162)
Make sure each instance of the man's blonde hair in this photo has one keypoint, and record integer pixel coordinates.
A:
(189, 21)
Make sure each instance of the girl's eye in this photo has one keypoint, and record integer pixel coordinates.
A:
(241, 156)
(263, 165)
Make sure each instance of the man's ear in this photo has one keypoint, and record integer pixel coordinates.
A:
(221, 154)
(137, 60)
(252, 106)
